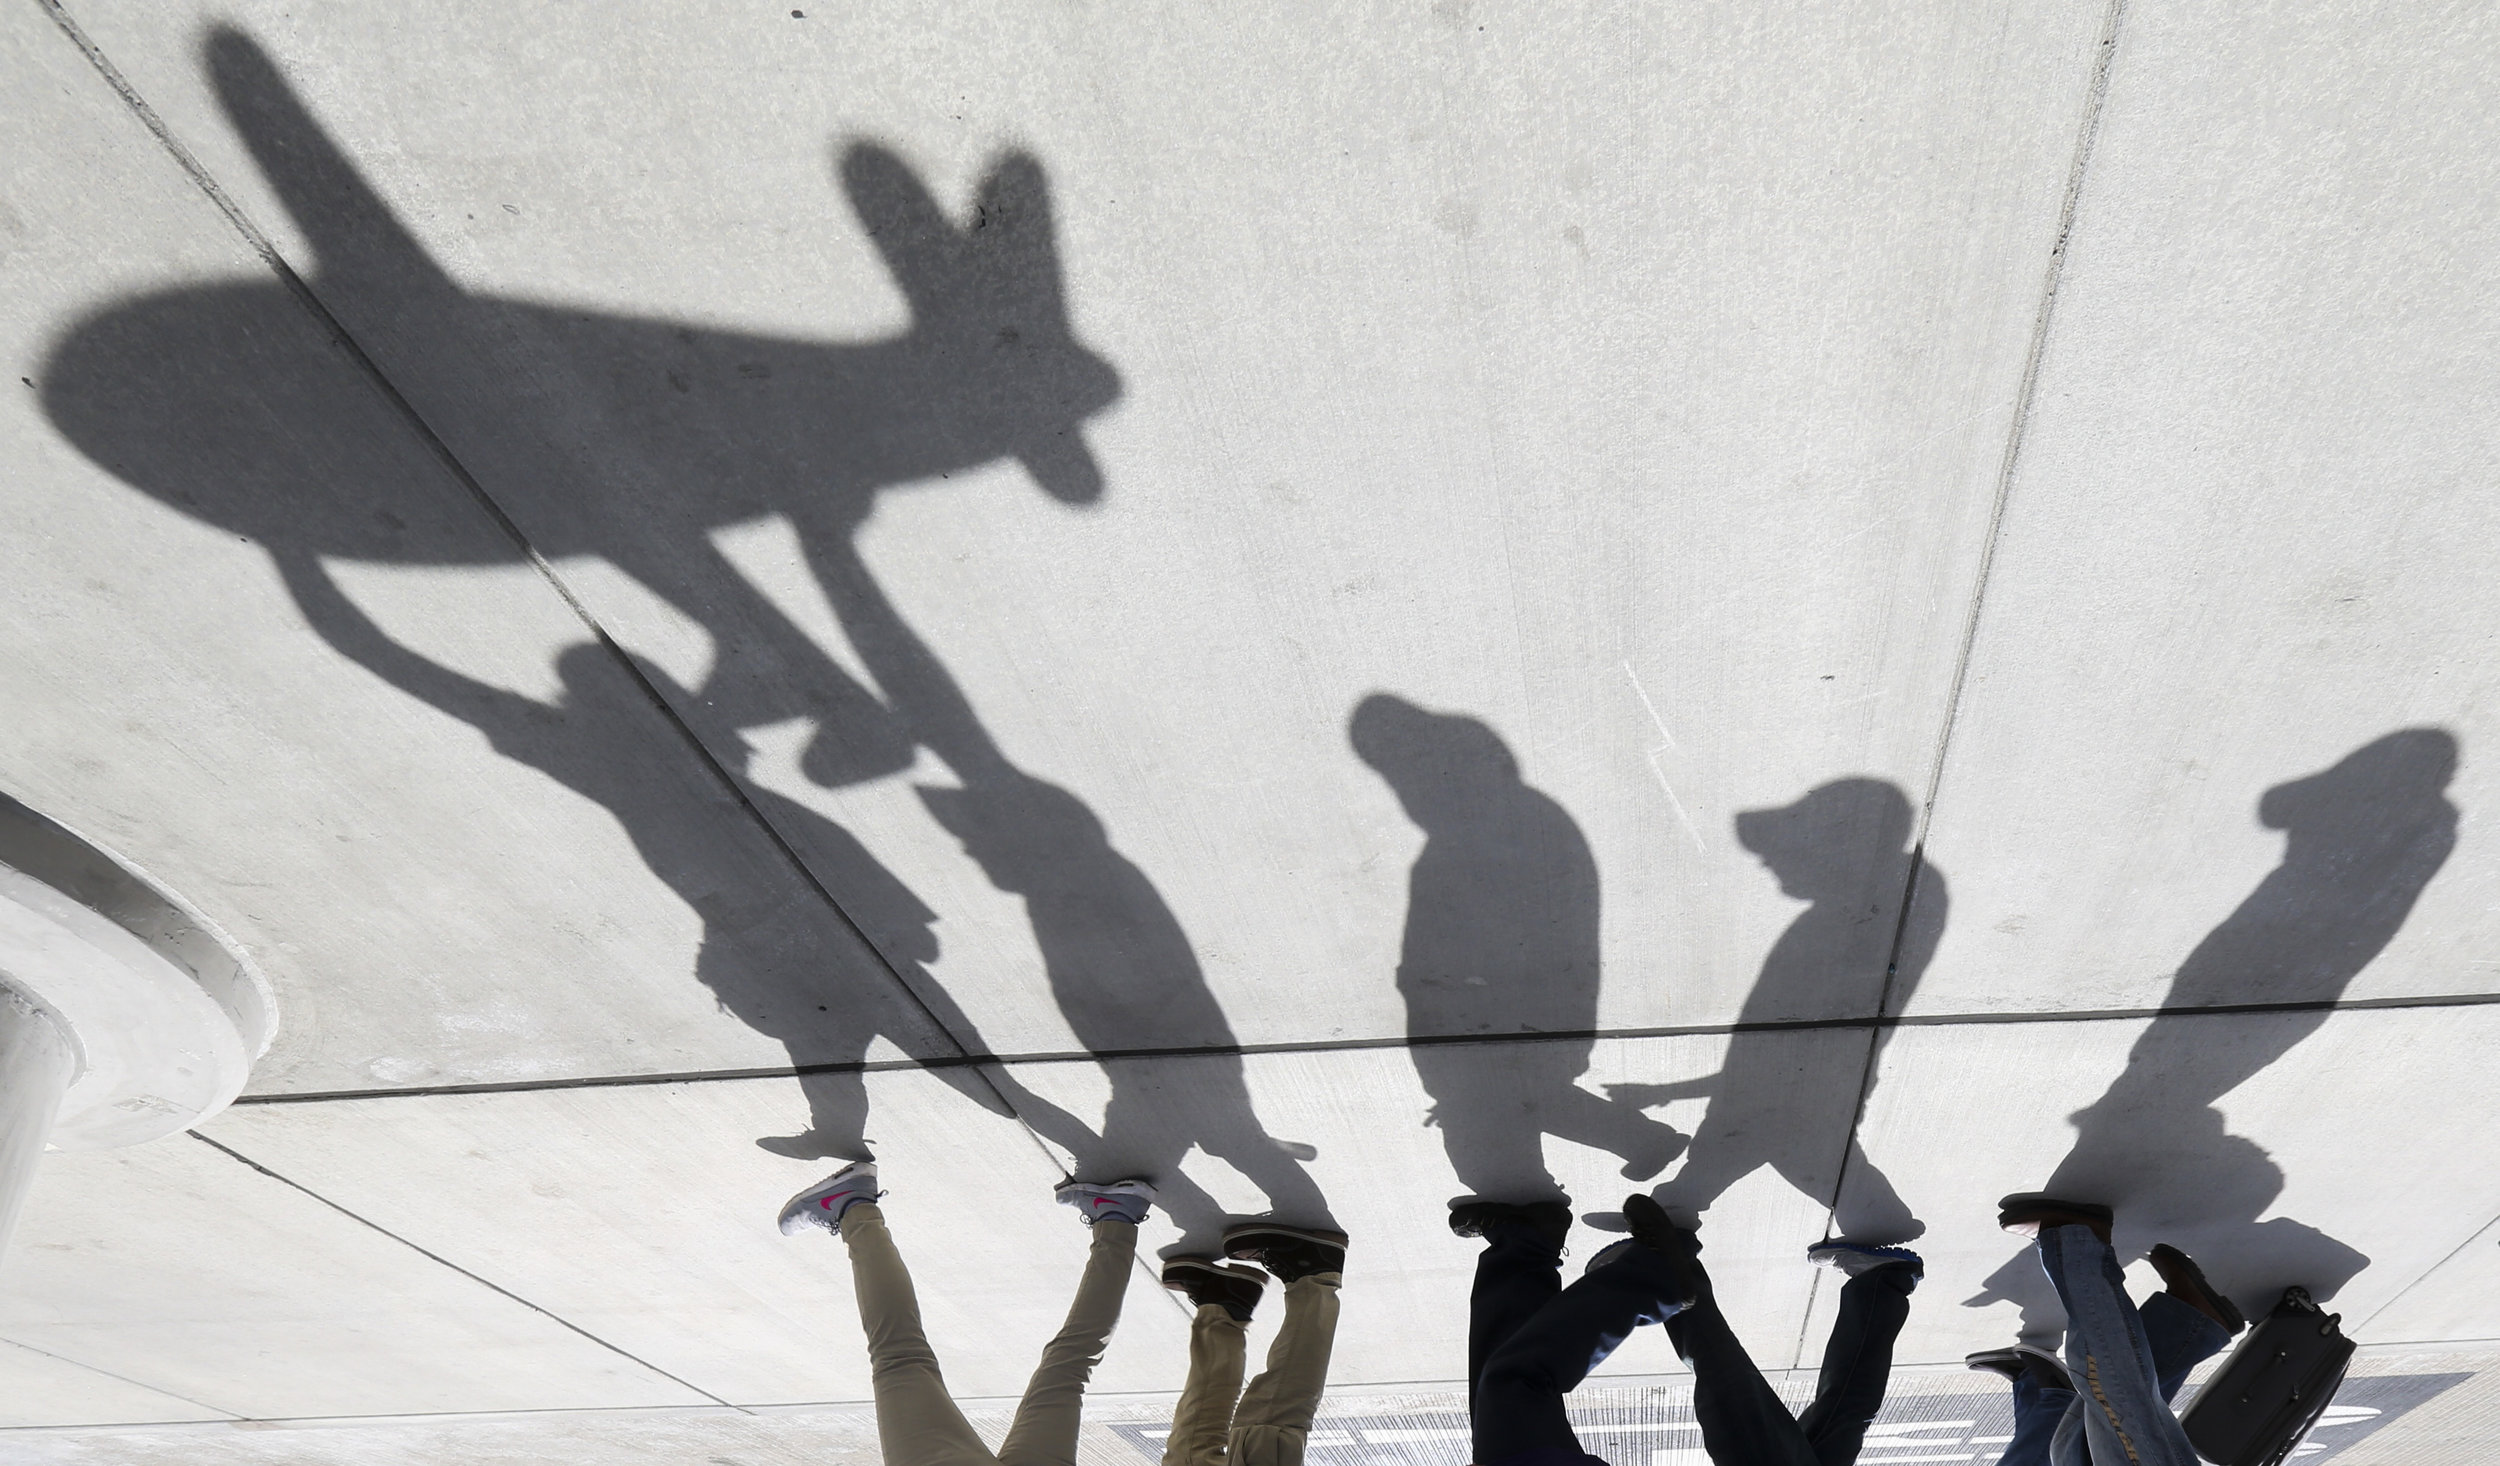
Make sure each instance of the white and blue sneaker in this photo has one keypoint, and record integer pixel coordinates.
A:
(823, 1204)
(1116, 1201)
(1854, 1259)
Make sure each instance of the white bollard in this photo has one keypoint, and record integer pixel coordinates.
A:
(37, 1062)
(125, 1014)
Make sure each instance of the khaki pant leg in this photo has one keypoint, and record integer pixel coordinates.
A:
(1274, 1421)
(917, 1422)
(1054, 1400)
(1218, 1345)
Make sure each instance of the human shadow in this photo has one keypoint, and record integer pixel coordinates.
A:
(1501, 942)
(218, 400)
(1778, 1099)
(1119, 964)
(2362, 839)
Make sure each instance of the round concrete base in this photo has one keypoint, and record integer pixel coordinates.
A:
(162, 1014)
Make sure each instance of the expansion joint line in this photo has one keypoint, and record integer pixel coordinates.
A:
(1359, 1045)
(2087, 135)
(375, 379)
(436, 1257)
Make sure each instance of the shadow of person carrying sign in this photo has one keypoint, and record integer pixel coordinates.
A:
(1844, 848)
(633, 439)
(2361, 840)
(1120, 967)
(1501, 942)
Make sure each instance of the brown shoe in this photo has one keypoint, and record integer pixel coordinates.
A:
(2186, 1282)
(2026, 1212)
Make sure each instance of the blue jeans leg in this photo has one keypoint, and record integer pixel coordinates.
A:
(2181, 1339)
(2119, 1412)
(2037, 1410)
(1857, 1362)
(1518, 1415)
(1519, 1272)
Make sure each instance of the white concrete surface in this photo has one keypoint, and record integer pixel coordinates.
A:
(1712, 428)
(1663, 322)
(37, 1063)
(2243, 538)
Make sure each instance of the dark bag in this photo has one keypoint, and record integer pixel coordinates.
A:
(2273, 1388)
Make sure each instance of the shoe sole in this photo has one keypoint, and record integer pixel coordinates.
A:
(1891, 1256)
(1176, 1272)
(1316, 1235)
(1496, 1210)
(1142, 1190)
(2058, 1366)
(2030, 1207)
(2232, 1319)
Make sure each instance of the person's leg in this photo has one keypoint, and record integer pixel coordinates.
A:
(917, 1422)
(2180, 1337)
(1741, 1417)
(2040, 1402)
(2124, 1415)
(1646, 1146)
(1203, 1420)
(1518, 1272)
(1044, 1433)
(1857, 1362)
(2069, 1443)
(1273, 1422)
(1519, 1412)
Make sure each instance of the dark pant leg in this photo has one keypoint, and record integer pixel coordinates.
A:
(2038, 1407)
(2181, 1339)
(1741, 1417)
(1519, 1414)
(1518, 1272)
(1857, 1362)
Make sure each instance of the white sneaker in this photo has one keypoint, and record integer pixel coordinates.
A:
(1116, 1201)
(823, 1204)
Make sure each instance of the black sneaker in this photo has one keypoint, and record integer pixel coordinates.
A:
(1203, 1280)
(1652, 1228)
(2186, 1281)
(1471, 1218)
(1291, 1253)
(2022, 1359)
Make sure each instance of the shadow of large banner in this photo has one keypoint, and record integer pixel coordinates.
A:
(635, 439)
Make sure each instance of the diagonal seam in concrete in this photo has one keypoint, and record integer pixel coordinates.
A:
(2087, 134)
(2452, 1254)
(1357, 1045)
(548, 1313)
(171, 1394)
(371, 374)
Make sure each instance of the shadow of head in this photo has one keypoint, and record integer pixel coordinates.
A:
(1443, 767)
(2387, 789)
(1825, 844)
(1023, 833)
